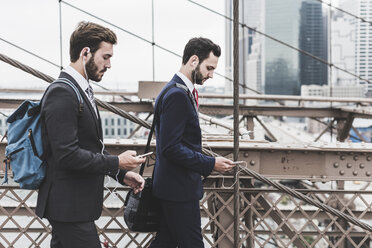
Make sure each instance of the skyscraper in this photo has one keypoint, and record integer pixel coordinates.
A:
(363, 61)
(271, 67)
(343, 38)
(300, 24)
(250, 13)
(313, 39)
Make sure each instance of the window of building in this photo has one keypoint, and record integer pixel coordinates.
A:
(112, 131)
(118, 121)
(106, 121)
(106, 131)
(125, 131)
(112, 121)
(119, 131)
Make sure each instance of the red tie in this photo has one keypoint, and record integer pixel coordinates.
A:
(196, 96)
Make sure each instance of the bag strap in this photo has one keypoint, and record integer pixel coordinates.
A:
(36, 109)
(154, 121)
(76, 90)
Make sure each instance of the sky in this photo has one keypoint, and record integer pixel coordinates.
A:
(34, 25)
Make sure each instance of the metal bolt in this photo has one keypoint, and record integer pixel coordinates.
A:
(355, 173)
(348, 165)
(336, 165)
(342, 172)
(252, 162)
(361, 166)
(368, 158)
(368, 173)
(342, 157)
(356, 157)
(246, 154)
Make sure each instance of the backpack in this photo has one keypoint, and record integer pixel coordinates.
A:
(24, 152)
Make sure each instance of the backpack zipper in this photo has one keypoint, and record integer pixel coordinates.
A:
(14, 152)
(32, 142)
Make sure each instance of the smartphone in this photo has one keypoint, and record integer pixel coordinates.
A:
(238, 162)
(144, 155)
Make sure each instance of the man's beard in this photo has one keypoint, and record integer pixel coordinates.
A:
(92, 70)
(196, 76)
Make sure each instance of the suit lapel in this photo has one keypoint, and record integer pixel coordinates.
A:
(86, 103)
(181, 84)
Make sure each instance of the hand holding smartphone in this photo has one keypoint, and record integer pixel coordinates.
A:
(145, 155)
(238, 162)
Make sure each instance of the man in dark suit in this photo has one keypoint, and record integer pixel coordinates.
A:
(71, 196)
(179, 161)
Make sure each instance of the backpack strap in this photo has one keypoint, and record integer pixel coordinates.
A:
(76, 90)
(37, 108)
(155, 119)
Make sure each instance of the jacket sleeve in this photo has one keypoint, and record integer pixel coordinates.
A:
(60, 114)
(119, 176)
(174, 116)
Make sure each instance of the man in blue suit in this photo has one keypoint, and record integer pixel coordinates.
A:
(179, 161)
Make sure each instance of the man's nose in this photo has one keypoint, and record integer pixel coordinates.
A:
(108, 65)
(210, 74)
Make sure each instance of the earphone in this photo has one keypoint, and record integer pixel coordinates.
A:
(194, 63)
(86, 52)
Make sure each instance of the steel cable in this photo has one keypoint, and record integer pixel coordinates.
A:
(139, 121)
(50, 79)
(307, 199)
(283, 43)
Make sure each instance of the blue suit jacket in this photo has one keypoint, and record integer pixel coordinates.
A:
(179, 161)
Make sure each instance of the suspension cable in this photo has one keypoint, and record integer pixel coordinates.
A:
(29, 52)
(284, 43)
(59, 66)
(344, 11)
(139, 121)
(152, 43)
(50, 79)
(307, 199)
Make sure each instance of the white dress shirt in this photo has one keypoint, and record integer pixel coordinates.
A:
(82, 82)
(187, 81)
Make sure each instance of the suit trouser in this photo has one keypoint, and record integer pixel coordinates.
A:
(179, 226)
(74, 235)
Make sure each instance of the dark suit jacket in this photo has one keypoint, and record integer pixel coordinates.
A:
(73, 188)
(179, 161)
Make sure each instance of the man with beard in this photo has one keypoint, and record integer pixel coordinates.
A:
(71, 196)
(179, 161)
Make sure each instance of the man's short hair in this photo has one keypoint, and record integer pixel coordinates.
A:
(89, 34)
(200, 47)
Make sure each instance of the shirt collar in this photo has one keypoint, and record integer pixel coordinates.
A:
(187, 81)
(82, 82)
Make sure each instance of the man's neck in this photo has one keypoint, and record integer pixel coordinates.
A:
(185, 71)
(78, 67)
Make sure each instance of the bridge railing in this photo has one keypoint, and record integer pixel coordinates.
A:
(268, 217)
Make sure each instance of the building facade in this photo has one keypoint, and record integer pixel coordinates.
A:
(363, 46)
(268, 66)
